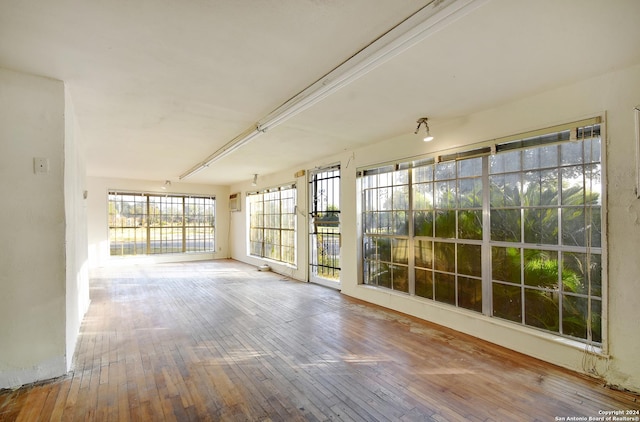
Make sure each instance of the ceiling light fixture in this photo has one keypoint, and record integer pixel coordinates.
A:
(167, 184)
(427, 137)
(255, 180)
(429, 19)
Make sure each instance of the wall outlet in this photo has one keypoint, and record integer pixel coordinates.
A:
(40, 165)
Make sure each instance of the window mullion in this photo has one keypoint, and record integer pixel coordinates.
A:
(487, 288)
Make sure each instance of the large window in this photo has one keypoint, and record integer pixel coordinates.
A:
(141, 223)
(512, 231)
(272, 224)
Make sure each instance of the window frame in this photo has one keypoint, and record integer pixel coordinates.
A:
(558, 135)
(162, 223)
(272, 232)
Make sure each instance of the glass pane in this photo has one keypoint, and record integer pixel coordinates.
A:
(470, 260)
(424, 283)
(400, 252)
(504, 162)
(541, 226)
(446, 170)
(401, 198)
(445, 256)
(592, 149)
(370, 222)
(384, 248)
(596, 320)
(577, 273)
(423, 223)
(505, 264)
(541, 188)
(571, 153)
(541, 309)
(595, 228)
(573, 186)
(383, 277)
(400, 278)
(505, 190)
(401, 177)
(470, 293)
(470, 167)
(573, 226)
(424, 253)
(541, 268)
(423, 174)
(540, 157)
(507, 302)
(401, 223)
(445, 286)
(446, 224)
(384, 222)
(470, 224)
(574, 316)
(505, 225)
(445, 194)
(423, 196)
(470, 193)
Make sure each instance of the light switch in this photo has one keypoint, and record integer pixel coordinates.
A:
(40, 165)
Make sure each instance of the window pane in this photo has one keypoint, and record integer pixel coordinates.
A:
(424, 283)
(424, 253)
(504, 162)
(540, 157)
(505, 225)
(400, 251)
(400, 278)
(470, 293)
(446, 224)
(446, 170)
(470, 260)
(541, 309)
(445, 256)
(470, 193)
(541, 226)
(445, 286)
(470, 224)
(507, 302)
(541, 188)
(470, 167)
(506, 264)
(423, 223)
(505, 190)
(582, 276)
(541, 268)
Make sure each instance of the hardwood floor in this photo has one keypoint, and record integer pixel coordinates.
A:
(219, 340)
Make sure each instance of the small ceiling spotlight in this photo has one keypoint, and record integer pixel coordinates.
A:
(255, 180)
(428, 136)
(167, 184)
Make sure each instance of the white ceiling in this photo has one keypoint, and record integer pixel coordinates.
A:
(157, 86)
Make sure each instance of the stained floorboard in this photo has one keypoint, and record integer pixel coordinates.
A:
(220, 341)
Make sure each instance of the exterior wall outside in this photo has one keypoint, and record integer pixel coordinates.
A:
(32, 262)
(98, 231)
(613, 96)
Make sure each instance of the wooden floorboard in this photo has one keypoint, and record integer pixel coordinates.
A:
(220, 341)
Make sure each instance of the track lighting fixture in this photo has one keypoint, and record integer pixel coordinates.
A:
(431, 18)
(167, 184)
(427, 137)
(255, 180)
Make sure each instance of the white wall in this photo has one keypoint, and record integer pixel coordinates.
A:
(98, 233)
(32, 239)
(77, 273)
(613, 95)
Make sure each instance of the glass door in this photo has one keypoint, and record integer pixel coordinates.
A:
(324, 226)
